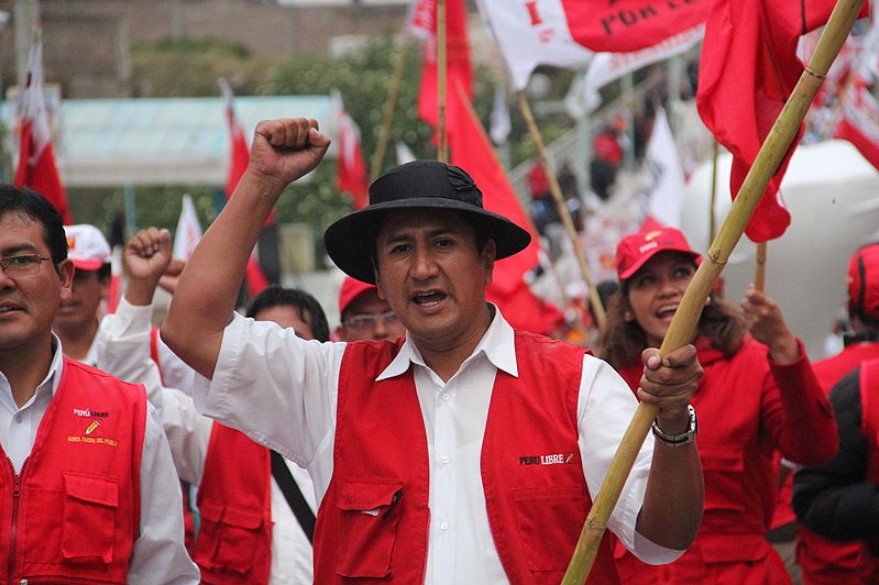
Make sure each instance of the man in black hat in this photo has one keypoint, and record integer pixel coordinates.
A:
(465, 452)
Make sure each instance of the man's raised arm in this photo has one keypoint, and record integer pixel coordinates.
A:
(282, 151)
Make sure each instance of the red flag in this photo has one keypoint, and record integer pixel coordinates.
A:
(351, 175)
(472, 151)
(36, 156)
(748, 69)
(458, 68)
(239, 155)
(859, 123)
(615, 26)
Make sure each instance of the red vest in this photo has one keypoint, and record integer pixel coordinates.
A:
(234, 542)
(73, 513)
(381, 466)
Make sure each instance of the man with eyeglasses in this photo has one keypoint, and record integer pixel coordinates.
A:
(87, 484)
(364, 315)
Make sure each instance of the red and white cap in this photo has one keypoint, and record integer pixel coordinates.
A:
(350, 290)
(87, 247)
(635, 250)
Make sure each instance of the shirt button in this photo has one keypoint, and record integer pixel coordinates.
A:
(445, 459)
(18, 419)
(444, 526)
(445, 396)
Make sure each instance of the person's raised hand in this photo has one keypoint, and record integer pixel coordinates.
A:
(766, 324)
(286, 149)
(147, 256)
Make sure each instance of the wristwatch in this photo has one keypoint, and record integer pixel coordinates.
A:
(684, 438)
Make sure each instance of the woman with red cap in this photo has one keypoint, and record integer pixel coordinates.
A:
(758, 398)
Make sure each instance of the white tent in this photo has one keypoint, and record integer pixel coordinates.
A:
(833, 197)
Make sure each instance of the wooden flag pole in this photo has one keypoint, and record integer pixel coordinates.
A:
(442, 154)
(683, 326)
(384, 133)
(712, 223)
(760, 267)
(598, 308)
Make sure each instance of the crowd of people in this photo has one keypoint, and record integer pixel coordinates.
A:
(422, 439)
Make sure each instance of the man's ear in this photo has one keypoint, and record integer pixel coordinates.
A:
(65, 274)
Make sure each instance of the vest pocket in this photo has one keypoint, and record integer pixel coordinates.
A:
(369, 514)
(549, 521)
(228, 539)
(90, 508)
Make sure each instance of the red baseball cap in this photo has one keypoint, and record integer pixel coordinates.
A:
(350, 290)
(635, 250)
(87, 247)
(863, 280)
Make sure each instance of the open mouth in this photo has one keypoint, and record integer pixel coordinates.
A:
(666, 311)
(428, 299)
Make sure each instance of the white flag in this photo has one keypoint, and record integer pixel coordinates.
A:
(188, 231)
(404, 153)
(527, 38)
(606, 67)
(662, 176)
(500, 116)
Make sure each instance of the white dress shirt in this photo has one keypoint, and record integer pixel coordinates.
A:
(124, 351)
(282, 391)
(159, 556)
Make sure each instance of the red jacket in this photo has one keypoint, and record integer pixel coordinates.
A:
(234, 541)
(381, 466)
(73, 513)
(748, 411)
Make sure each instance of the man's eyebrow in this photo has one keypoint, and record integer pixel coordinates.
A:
(14, 249)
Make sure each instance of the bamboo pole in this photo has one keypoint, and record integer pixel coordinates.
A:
(384, 133)
(442, 154)
(683, 326)
(598, 308)
(712, 222)
(760, 267)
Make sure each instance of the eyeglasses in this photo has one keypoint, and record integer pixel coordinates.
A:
(22, 265)
(368, 321)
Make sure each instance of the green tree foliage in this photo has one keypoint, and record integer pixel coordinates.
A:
(190, 68)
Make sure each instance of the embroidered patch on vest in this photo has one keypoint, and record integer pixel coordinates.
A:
(548, 459)
(91, 427)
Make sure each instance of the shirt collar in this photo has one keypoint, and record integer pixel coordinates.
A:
(56, 367)
(497, 345)
(53, 376)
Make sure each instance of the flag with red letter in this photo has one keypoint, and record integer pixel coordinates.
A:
(748, 69)
(351, 175)
(458, 68)
(239, 156)
(37, 169)
(565, 33)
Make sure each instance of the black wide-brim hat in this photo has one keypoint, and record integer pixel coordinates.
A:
(420, 184)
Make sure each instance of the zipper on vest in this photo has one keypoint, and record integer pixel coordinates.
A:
(13, 532)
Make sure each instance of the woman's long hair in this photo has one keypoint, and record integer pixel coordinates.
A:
(622, 341)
